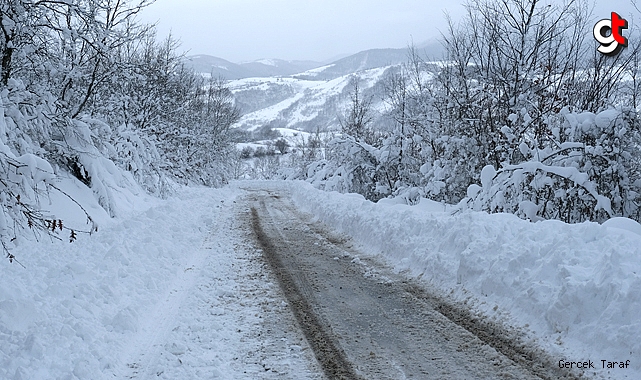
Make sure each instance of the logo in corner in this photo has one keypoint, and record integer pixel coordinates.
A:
(607, 32)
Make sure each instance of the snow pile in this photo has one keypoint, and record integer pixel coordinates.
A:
(577, 287)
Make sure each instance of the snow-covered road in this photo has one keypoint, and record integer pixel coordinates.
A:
(221, 318)
(183, 289)
(176, 290)
(366, 322)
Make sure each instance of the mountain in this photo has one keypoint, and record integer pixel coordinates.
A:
(365, 60)
(278, 67)
(371, 59)
(312, 99)
(309, 70)
(303, 104)
(215, 66)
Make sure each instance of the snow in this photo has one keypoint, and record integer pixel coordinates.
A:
(35, 168)
(306, 104)
(625, 224)
(525, 149)
(287, 132)
(530, 210)
(168, 290)
(487, 175)
(571, 173)
(473, 189)
(316, 71)
(576, 288)
(267, 62)
(605, 119)
(264, 116)
(241, 146)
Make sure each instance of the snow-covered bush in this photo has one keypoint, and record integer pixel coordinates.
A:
(351, 167)
(26, 180)
(589, 173)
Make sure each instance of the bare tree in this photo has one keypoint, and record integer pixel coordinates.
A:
(282, 145)
(358, 116)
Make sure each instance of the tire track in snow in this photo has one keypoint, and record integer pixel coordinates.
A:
(328, 353)
(380, 327)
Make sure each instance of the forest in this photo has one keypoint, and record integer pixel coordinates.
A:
(88, 91)
(522, 115)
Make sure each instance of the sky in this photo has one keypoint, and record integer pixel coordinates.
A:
(318, 30)
(244, 30)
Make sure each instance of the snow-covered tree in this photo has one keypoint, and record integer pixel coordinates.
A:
(523, 104)
(199, 146)
(358, 116)
(85, 89)
(351, 166)
(592, 175)
(552, 160)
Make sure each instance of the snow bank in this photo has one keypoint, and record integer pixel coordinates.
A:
(577, 287)
(71, 312)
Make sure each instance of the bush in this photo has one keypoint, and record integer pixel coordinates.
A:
(246, 152)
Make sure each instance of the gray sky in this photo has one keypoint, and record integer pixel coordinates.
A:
(245, 30)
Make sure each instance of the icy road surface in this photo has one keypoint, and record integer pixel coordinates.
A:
(365, 322)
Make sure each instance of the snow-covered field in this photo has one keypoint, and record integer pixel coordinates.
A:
(577, 288)
(168, 289)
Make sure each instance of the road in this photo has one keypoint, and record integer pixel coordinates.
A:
(363, 321)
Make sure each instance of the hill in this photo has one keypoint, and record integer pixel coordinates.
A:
(218, 67)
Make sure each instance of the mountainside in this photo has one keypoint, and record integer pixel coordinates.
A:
(303, 104)
(371, 59)
(311, 99)
(216, 67)
(277, 67)
(365, 60)
(207, 64)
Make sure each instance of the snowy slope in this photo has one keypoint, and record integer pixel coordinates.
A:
(301, 104)
(371, 59)
(314, 99)
(577, 288)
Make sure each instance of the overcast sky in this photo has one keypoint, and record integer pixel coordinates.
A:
(245, 30)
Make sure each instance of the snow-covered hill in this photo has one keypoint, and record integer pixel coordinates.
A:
(303, 104)
(304, 95)
(218, 67)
